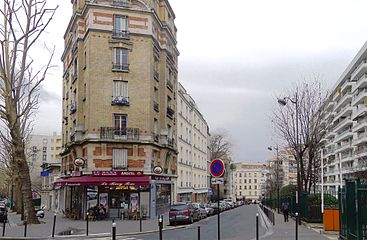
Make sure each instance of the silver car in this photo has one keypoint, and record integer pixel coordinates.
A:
(202, 211)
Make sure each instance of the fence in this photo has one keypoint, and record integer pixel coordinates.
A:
(353, 210)
(269, 213)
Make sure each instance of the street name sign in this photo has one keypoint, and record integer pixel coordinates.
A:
(217, 168)
(217, 180)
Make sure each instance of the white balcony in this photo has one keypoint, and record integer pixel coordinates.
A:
(344, 99)
(360, 83)
(359, 97)
(342, 147)
(362, 123)
(361, 138)
(343, 112)
(346, 122)
(359, 110)
(344, 135)
(362, 67)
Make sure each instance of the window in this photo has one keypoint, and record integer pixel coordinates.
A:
(44, 158)
(245, 187)
(255, 186)
(240, 187)
(244, 180)
(44, 149)
(120, 124)
(121, 59)
(240, 193)
(249, 187)
(255, 180)
(120, 93)
(249, 181)
(120, 27)
(240, 175)
(119, 158)
(250, 193)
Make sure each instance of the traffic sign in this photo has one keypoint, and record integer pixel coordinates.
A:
(217, 168)
(218, 180)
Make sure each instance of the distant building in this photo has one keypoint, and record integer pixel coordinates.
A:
(249, 180)
(44, 161)
(192, 141)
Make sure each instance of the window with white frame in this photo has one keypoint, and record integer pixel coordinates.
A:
(121, 59)
(120, 26)
(119, 158)
(120, 92)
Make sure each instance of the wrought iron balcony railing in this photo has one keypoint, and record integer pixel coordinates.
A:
(120, 67)
(170, 112)
(121, 101)
(120, 34)
(120, 133)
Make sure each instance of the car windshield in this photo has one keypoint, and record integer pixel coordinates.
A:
(179, 207)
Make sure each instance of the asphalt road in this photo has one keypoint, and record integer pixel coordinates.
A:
(238, 223)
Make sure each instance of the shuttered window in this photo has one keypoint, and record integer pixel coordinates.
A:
(119, 158)
(120, 89)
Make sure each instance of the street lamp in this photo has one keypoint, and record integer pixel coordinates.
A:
(284, 102)
(277, 173)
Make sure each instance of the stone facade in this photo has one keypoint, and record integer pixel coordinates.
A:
(192, 181)
(119, 87)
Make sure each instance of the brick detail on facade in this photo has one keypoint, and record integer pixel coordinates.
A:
(97, 151)
(136, 163)
(99, 163)
(109, 151)
(141, 152)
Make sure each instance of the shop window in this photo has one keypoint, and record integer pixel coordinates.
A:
(119, 159)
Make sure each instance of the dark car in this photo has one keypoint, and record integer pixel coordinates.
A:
(183, 213)
(3, 213)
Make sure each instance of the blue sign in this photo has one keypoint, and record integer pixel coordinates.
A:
(45, 174)
(210, 192)
(217, 168)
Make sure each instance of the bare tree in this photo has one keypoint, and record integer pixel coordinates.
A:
(297, 120)
(219, 146)
(23, 22)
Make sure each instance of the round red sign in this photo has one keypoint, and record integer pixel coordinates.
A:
(217, 168)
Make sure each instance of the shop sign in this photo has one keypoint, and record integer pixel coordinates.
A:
(117, 174)
(76, 174)
(161, 178)
(157, 170)
(79, 162)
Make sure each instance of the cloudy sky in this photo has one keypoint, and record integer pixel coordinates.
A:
(237, 55)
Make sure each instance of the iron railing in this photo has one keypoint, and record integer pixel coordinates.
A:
(120, 67)
(120, 133)
(170, 112)
(120, 34)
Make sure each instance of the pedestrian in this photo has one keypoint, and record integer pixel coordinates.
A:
(285, 209)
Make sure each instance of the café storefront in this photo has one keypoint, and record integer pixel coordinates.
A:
(124, 195)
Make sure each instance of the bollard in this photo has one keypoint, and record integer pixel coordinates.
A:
(257, 226)
(141, 223)
(273, 219)
(53, 226)
(25, 228)
(113, 230)
(296, 225)
(4, 224)
(198, 232)
(87, 227)
(160, 225)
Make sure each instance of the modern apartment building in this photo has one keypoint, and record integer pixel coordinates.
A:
(284, 167)
(192, 144)
(44, 160)
(345, 144)
(249, 180)
(119, 108)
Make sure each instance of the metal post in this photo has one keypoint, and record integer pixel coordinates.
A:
(53, 226)
(322, 181)
(257, 226)
(87, 227)
(140, 215)
(160, 225)
(25, 228)
(113, 230)
(278, 178)
(4, 224)
(218, 212)
(296, 225)
(198, 232)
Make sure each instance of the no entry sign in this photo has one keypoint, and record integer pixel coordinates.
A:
(217, 168)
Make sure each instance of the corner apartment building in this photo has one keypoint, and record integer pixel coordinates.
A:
(44, 161)
(193, 154)
(285, 167)
(119, 108)
(249, 180)
(345, 144)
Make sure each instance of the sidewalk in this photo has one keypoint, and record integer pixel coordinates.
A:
(65, 226)
(286, 230)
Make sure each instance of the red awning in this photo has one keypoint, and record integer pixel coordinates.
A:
(103, 181)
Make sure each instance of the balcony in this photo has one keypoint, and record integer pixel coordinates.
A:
(361, 82)
(156, 75)
(73, 108)
(345, 98)
(343, 135)
(344, 112)
(343, 147)
(361, 138)
(343, 123)
(120, 133)
(170, 84)
(156, 106)
(360, 109)
(170, 112)
(120, 34)
(362, 67)
(121, 3)
(120, 101)
(359, 97)
(121, 67)
(360, 124)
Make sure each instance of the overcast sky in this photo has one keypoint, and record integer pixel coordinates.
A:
(237, 55)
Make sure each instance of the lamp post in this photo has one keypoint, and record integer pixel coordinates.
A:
(283, 102)
(277, 173)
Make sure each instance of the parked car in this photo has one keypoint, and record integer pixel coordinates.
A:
(229, 202)
(215, 207)
(202, 211)
(209, 210)
(183, 213)
(3, 213)
(225, 205)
